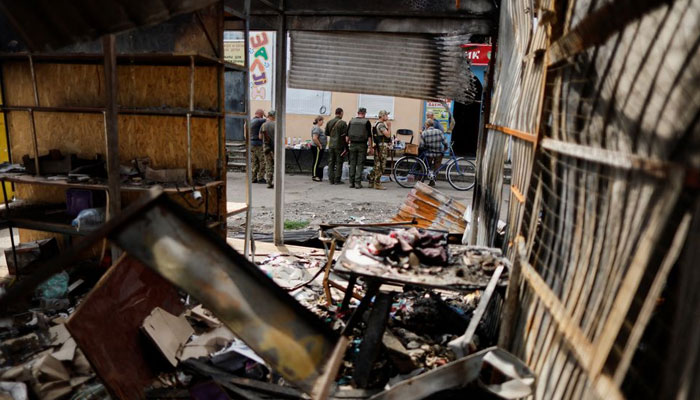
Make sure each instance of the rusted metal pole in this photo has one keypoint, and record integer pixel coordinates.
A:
(111, 126)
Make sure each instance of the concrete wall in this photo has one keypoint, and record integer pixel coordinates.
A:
(407, 114)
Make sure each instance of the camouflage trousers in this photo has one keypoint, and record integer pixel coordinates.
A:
(269, 166)
(379, 162)
(258, 161)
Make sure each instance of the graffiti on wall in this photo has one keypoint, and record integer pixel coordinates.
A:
(261, 52)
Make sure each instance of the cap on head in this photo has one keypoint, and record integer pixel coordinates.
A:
(271, 113)
(383, 113)
(362, 110)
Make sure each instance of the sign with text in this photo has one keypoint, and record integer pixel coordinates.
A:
(234, 51)
(439, 112)
(478, 54)
(261, 51)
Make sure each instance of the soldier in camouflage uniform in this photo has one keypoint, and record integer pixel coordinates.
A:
(359, 130)
(267, 135)
(256, 147)
(382, 140)
(337, 131)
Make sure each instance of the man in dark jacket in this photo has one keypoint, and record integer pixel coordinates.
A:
(337, 131)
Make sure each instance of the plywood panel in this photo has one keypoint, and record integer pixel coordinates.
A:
(148, 86)
(164, 139)
(82, 134)
(66, 85)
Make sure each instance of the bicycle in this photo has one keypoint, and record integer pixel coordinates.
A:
(459, 171)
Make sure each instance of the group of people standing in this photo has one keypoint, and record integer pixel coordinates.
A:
(262, 146)
(356, 139)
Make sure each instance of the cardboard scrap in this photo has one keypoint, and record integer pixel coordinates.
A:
(81, 365)
(67, 351)
(19, 373)
(59, 334)
(77, 381)
(203, 315)
(168, 332)
(397, 353)
(49, 369)
(207, 343)
(52, 390)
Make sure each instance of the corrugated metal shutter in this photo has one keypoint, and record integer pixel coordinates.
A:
(415, 66)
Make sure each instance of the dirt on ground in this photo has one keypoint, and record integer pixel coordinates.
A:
(332, 212)
(312, 203)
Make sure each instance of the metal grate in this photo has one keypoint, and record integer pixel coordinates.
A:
(414, 66)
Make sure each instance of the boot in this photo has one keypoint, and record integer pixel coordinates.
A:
(352, 185)
(379, 186)
(358, 186)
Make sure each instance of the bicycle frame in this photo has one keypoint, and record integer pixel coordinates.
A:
(434, 172)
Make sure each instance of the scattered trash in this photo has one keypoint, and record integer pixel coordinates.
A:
(263, 328)
(168, 332)
(29, 254)
(89, 218)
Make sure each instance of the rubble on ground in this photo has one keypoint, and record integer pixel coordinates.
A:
(127, 332)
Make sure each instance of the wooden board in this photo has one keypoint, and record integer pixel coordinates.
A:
(106, 325)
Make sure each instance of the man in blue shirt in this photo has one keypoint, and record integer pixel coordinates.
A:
(433, 145)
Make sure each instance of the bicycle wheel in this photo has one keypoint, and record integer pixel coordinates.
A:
(461, 173)
(408, 170)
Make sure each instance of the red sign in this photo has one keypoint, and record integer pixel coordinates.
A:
(479, 54)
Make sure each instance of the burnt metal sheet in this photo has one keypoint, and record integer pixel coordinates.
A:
(106, 325)
(465, 269)
(415, 66)
(519, 383)
(46, 25)
(433, 209)
(284, 333)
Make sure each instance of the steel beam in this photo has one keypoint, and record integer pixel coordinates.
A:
(280, 105)
(475, 26)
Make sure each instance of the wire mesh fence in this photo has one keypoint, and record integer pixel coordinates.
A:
(599, 101)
